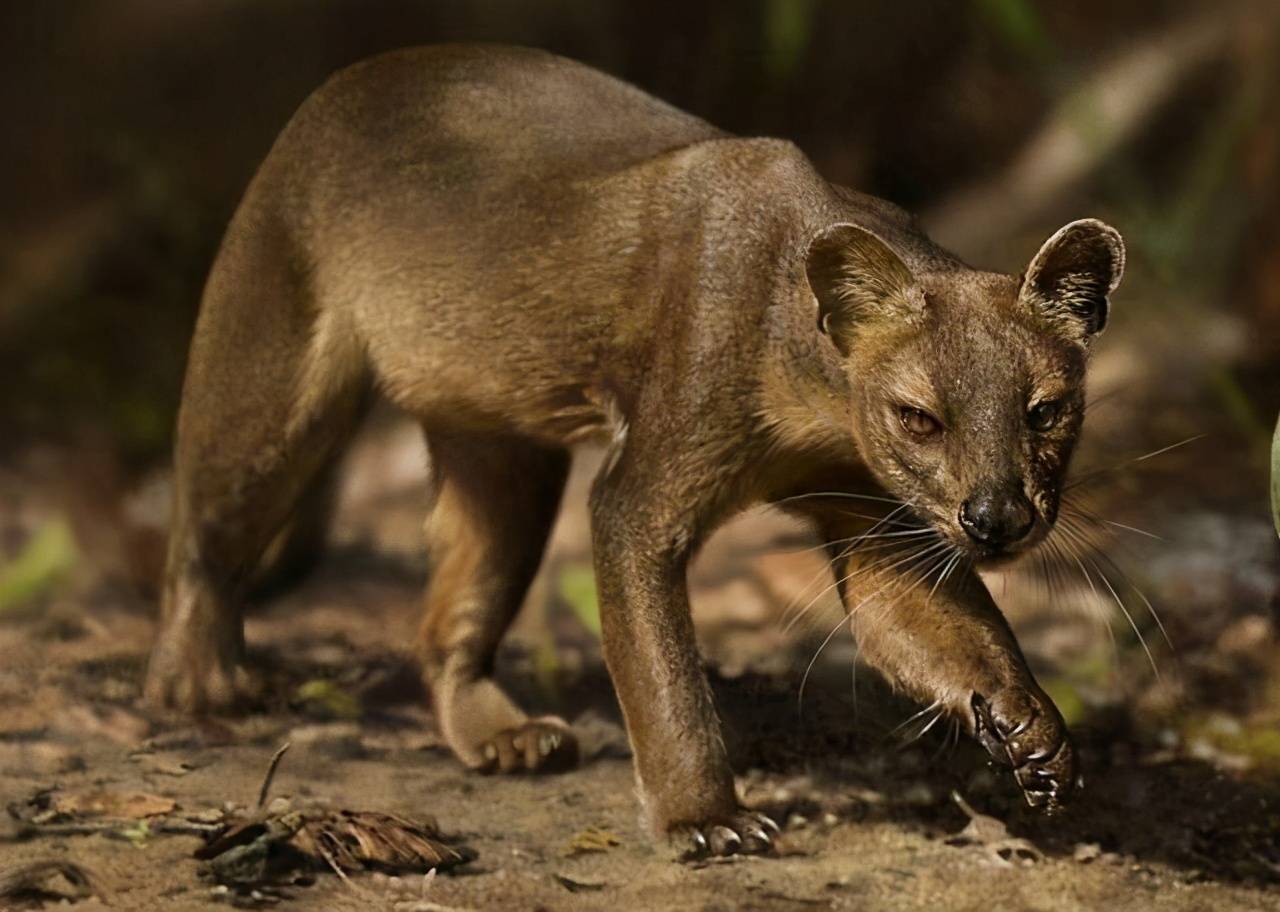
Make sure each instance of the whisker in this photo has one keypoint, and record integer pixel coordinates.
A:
(911, 718)
(1071, 508)
(861, 571)
(1045, 583)
(1129, 617)
(952, 740)
(842, 581)
(813, 661)
(1098, 400)
(1173, 446)
(956, 557)
(855, 542)
(1063, 548)
(1128, 580)
(1058, 567)
(853, 680)
(790, 616)
(1134, 529)
(826, 568)
(845, 494)
(1146, 601)
(906, 532)
(1102, 617)
(919, 558)
(962, 561)
(924, 731)
(1155, 670)
(1098, 473)
(858, 644)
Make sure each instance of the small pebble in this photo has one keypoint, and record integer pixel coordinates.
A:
(1086, 852)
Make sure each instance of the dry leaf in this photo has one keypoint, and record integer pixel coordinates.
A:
(355, 838)
(121, 805)
(590, 840)
(993, 837)
(283, 837)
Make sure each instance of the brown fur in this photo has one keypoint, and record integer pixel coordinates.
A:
(525, 254)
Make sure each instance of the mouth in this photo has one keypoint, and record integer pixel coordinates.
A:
(997, 554)
(988, 557)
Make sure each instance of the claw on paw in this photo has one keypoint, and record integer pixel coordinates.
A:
(544, 745)
(743, 833)
(1024, 731)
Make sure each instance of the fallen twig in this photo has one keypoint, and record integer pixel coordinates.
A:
(30, 880)
(168, 826)
(271, 772)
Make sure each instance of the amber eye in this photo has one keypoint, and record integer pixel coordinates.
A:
(1044, 416)
(918, 421)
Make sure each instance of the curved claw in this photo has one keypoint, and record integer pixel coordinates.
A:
(725, 841)
(756, 838)
(1021, 729)
(744, 833)
(767, 823)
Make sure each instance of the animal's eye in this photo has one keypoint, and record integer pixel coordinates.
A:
(1044, 416)
(918, 421)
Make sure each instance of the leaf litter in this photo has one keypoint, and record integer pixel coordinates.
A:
(249, 854)
(991, 836)
(284, 842)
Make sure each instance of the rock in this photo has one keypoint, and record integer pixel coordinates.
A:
(1086, 852)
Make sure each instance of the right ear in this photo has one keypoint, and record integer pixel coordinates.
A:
(856, 277)
(1070, 281)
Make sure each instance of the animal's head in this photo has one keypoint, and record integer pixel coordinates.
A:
(968, 387)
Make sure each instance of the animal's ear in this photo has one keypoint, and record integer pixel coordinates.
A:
(1070, 279)
(856, 277)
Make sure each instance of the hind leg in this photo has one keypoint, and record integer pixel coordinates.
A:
(496, 501)
(272, 388)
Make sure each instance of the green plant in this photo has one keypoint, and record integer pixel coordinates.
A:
(1275, 477)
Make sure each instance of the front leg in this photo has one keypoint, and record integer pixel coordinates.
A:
(950, 646)
(643, 533)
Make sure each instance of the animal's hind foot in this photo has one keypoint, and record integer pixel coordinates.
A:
(193, 676)
(543, 745)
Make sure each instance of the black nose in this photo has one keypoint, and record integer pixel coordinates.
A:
(997, 519)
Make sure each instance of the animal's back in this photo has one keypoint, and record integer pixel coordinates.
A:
(471, 216)
(471, 122)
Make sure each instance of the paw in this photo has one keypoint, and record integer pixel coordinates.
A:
(198, 680)
(1024, 730)
(741, 833)
(543, 745)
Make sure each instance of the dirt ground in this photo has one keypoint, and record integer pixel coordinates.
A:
(1181, 812)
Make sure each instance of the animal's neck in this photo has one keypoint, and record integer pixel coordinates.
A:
(805, 394)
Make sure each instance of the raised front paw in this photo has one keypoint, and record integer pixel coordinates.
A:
(1025, 731)
(740, 833)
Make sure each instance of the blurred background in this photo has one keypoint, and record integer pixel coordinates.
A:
(134, 125)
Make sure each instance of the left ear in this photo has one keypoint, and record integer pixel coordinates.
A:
(1070, 279)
